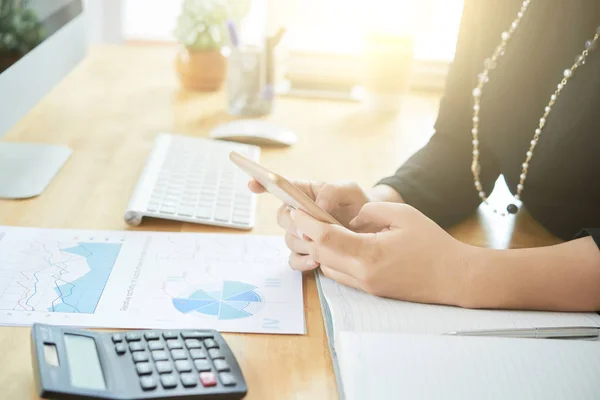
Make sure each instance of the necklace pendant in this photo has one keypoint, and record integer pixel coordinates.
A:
(512, 208)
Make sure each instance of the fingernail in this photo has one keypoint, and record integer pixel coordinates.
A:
(300, 234)
(311, 263)
(293, 213)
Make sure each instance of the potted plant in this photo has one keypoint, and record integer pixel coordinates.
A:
(20, 31)
(202, 32)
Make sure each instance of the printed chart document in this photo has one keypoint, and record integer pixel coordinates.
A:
(347, 309)
(151, 280)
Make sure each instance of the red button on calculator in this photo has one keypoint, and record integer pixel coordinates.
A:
(208, 379)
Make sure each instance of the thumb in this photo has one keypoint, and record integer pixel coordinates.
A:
(376, 217)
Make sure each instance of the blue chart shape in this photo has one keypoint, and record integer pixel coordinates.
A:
(83, 294)
(235, 300)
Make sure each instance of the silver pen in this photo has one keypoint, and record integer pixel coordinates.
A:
(573, 332)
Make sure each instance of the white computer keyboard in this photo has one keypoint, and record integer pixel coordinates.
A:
(192, 180)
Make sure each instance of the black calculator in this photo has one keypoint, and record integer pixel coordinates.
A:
(141, 364)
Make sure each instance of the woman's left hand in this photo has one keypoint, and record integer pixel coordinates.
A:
(409, 257)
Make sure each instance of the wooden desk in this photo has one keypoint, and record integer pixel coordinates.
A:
(109, 111)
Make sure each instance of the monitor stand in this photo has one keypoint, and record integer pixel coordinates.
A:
(26, 169)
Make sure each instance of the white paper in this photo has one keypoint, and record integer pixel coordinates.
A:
(357, 311)
(115, 279)
(390, 366)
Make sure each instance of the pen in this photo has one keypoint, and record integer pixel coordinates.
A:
(233, 34)
(573, 332)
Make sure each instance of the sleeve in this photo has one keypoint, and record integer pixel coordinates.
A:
(437, 180)
(593, 232)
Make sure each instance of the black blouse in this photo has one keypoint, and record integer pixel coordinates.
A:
(562, 190)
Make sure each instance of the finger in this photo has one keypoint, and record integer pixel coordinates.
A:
(295, 244)
(256, 187)
(301, 262)
(381, 216)
(340, 277)
(284, 220)
(332, 245)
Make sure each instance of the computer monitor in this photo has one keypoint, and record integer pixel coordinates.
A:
(41, 41)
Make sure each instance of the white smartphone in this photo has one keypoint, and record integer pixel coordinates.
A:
(281, 188)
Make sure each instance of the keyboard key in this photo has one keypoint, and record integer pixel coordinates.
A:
(170, 335)
(117, 338)
(148, 382)
(156, 345)
(163, 367)
(196, 335)
(227, 379)
(183, 365)
(204, 212)
(168, 381)
(208, 379)
(221, 365)
(160, 355)
(186, 211)
(178, 354)
(215, 354)
(151, 336)
(210, 344)
(193, 344)
(174, 344)
(202, 365)
(188, 380)
(144, 369)
(140, 356)
(153, 207)
(121, 349)
(197, 354)
(133, 337)
(136, 346)
(241, 220)
(168, 209)
(222, 213)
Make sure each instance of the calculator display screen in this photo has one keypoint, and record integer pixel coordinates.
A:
(84, 363)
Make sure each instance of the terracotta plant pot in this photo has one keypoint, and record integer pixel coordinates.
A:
(201, 70)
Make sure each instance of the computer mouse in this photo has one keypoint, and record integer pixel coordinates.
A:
(256, 132)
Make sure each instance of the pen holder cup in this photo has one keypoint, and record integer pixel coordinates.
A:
(250, 90)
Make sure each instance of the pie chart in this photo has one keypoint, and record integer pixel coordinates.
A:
(229, 300)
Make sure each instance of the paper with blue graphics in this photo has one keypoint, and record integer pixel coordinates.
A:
(114, 279)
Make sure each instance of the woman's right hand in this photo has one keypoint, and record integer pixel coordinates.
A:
(342, 200)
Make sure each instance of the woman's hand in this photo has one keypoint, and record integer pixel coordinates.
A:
(342, 200)
(410, 258)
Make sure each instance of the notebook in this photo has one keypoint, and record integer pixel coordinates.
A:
(423, 367)
(348, 310)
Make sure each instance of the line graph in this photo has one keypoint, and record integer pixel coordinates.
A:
(67, 277)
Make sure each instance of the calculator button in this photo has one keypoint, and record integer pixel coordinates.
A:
(193, 343)
(133, 337)
(189, 380)
(136, 346)
(140, 356)
(211, 344)
(178, 354)
(196, 335)
(174, 344)
(159, 355)
(208, 379)
(156, 345)
(151, 336)
(168, 381)
(163, 367)
(148, 382)
(227, 379)
(197, 353)
(221, 365)
(170, 335)
(202, 365)
(117, 338)
(144, 368)
(120, 349)
(183, 365)
(215, 353)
